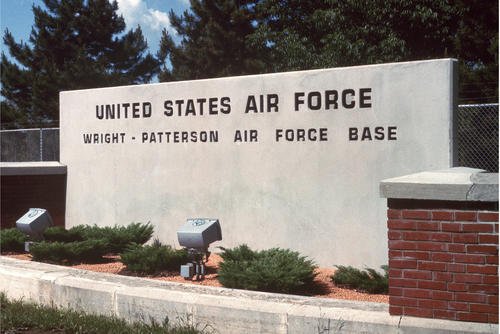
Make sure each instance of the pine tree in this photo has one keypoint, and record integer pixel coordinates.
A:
(213, 41)
(74, 44)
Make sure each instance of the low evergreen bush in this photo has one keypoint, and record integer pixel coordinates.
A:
(118, 238)
(153, 258)
(60, 234)
(76, 251)
(272, 270)
(368, 280)
(12, 240)
(85, 243)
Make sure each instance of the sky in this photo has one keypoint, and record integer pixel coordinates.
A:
(151, 15)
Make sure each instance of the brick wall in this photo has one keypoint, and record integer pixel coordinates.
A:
(21, 192)
(443, 259)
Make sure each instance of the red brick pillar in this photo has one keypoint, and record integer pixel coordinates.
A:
(443, 254)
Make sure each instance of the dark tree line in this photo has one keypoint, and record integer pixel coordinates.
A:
(222, 37)
(67, 49)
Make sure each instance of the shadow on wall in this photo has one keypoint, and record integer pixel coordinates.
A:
(32, 185)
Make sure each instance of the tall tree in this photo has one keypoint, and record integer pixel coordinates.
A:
(477, 49)
(351, 32)
(284, 35)
(213, 41)
(74, 44)
(313, 34)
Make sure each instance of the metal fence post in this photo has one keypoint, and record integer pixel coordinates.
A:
(41, 144)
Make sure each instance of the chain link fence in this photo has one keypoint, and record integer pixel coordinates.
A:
(477, 136)
(29, 145)
(476, 140)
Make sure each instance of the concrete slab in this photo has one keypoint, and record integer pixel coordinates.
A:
(454, 184)
(32, 168)
(84, 295)
(224, 310)
(297, 172)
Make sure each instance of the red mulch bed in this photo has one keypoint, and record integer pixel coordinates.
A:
(323, 286)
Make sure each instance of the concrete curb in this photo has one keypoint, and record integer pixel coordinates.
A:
(224, 310)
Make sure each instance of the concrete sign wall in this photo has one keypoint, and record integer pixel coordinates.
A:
(283, 160)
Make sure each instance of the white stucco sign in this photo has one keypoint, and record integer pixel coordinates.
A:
(283, 160)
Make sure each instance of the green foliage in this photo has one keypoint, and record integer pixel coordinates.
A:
(298, 35)
(368, 280)
(213, 42)
(73, 44)
(59, 233)
(117, 238)
(241, 254)
(153, 258)
(23, 316)
(88, 243)
(224, 37)
(77, 251)
(12, 240)
(349, 32)
(273, 270)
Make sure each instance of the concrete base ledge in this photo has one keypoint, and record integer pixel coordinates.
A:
(32, 168)
(224, 310)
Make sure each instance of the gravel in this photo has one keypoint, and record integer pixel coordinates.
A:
(324, 286)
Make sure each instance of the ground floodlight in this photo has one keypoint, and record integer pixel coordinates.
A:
(34, 223)
(199, 233)
(196, 235)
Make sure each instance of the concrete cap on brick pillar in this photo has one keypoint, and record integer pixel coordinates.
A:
(454, 184)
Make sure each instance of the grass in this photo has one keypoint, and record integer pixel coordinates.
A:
(22, 316)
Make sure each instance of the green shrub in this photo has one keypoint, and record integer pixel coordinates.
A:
(241, 253)
(76, 251)
(49, 251)
(273, 270)
(153, 258)
(118, 238)
(59, 233)
(368, 280)
(12, 240)
(85, 243)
